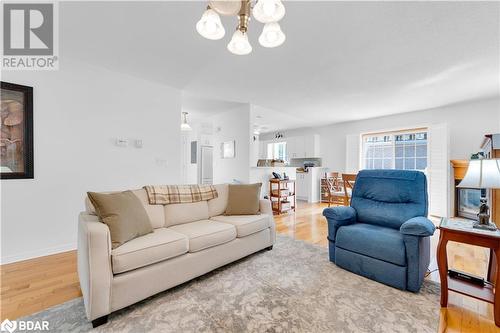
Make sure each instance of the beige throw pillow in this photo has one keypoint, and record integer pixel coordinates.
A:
(124, 215)
(243, 199)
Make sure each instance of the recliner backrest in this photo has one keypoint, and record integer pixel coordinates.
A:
(389, 197)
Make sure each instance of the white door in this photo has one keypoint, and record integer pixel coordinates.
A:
(207, 165)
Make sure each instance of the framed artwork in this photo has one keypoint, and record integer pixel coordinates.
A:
(16, 145)
(227, 149)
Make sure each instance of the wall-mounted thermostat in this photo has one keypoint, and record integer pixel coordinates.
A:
(120, 142)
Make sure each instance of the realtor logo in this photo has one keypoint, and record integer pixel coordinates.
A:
(24, 325)
(29, 36)
(8, 326)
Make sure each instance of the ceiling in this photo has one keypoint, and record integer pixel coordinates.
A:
(341, 60)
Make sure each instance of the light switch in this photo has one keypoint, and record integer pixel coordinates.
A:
(161, 162)
(138, 143)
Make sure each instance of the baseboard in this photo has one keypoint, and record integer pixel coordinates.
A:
(36, 254)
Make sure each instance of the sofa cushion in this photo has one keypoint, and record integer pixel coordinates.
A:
(204, 234)
(124, 215)
(155, 212)
(185, 213)
(218, 205)
(246, 224)
(243, 199)
(373, 241)
(160, 245)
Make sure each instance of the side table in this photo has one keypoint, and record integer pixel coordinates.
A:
(461, 230)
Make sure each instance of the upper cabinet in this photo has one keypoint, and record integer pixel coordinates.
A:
(303, 146)
(306, 146)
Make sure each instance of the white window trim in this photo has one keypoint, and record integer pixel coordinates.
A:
(424, 126)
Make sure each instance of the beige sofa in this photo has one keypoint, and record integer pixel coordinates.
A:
(189, 240)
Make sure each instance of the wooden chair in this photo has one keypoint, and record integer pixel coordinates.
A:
(333, 187)
(348, 180)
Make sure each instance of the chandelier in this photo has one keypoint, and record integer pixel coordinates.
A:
(268, 12)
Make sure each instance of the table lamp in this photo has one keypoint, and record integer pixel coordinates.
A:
(483, 174)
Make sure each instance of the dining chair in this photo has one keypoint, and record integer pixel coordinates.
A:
(333, 188)
(348, 180)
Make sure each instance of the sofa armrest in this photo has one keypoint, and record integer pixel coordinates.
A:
(418, 226)
(94, 265)
(266, 208)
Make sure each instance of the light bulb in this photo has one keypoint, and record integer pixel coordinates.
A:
(267, 11)
(210, 26)
(271, 35)
(239, 44)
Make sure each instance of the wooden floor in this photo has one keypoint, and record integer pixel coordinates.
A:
(33, 285)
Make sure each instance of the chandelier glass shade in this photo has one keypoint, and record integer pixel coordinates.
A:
(239, 44)
(268, 12)
(210, 25)
(272, 35)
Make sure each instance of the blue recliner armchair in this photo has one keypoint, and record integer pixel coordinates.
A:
(384, 234)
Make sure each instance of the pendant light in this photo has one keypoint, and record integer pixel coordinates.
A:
(184, 125)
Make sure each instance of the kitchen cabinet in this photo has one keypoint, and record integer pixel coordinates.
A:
(311, 145)
(303, 146)
(308, 185)
(302, 186)
(295, 147)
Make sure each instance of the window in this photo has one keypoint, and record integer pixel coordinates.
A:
(395, 150)
(276, 151)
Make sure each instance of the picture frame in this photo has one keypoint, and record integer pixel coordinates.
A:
(228, 149)
(16, 149)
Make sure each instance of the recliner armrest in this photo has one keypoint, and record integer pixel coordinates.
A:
(418, 226)
(341, 215)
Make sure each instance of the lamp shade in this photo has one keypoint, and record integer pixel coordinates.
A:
(484, 173)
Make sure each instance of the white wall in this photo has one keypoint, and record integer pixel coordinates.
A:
(467, 124)
(78, 113)
(232, 125)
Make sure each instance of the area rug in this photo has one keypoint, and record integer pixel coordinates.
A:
(293, 288)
